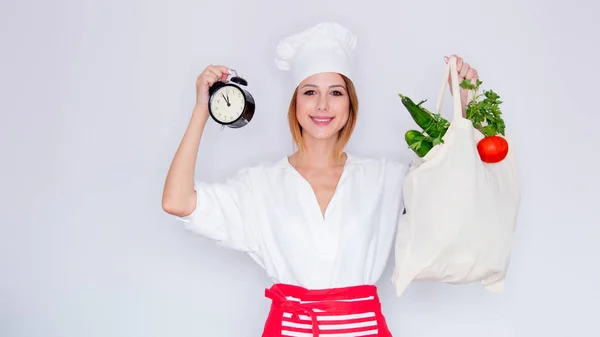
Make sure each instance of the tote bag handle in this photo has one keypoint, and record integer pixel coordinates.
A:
(451, 70)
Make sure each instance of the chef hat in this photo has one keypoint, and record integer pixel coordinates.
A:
(325, 47)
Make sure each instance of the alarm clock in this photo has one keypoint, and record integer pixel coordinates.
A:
(229, 104)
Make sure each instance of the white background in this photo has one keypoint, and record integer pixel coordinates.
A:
(95, 96)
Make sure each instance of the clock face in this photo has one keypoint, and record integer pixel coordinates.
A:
(227, 104)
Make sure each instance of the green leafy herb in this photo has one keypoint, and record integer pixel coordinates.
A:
(485, 113)
(440, 126)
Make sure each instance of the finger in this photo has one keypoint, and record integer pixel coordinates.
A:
(447, 58)
(464, 70)
(472, 75)
(211, 72)
(459, 69)
(204, 75)
(222, 71)
(214, 76)
(203, 78)
(216, 71)
(459, 64)
(209, 78)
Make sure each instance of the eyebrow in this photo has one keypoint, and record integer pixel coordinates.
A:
(330, 87)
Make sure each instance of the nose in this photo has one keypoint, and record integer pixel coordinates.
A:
(322, 104)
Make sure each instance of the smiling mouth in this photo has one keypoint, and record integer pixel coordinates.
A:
(321, 120)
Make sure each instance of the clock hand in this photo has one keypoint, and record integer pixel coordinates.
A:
(226, 99)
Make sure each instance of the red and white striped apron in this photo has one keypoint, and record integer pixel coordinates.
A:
(337, 312)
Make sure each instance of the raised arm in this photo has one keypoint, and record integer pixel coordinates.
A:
(179, 196)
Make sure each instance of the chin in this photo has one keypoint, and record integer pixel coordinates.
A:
(321, 132)
(321, 136)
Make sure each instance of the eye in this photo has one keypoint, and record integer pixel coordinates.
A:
(309, 92)
(337, 93)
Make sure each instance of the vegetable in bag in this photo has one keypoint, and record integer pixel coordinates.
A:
(485, 114)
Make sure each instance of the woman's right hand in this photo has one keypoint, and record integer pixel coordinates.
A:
(179, 195)
(206, 79)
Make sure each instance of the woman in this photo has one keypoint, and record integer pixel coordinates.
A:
(321, 222)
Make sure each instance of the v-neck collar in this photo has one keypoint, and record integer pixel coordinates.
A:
(346, 170)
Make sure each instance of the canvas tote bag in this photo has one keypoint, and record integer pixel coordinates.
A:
(460, 211)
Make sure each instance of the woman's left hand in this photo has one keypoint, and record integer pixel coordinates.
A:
(465, 71)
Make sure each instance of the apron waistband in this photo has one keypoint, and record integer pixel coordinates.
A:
(333, 301)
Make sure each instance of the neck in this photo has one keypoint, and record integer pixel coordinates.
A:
(318, 153)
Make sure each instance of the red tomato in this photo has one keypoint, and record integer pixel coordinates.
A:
(492, 149)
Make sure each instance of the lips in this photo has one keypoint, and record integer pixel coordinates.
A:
(321, 120)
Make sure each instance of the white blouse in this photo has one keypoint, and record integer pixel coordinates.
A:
(270, 212)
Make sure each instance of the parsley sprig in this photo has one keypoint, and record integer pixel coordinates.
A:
(484, 113)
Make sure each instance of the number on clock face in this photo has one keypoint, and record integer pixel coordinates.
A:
(227, 104)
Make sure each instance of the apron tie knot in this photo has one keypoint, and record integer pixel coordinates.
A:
(295, 308)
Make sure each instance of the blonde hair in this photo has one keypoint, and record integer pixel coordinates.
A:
(344, 134)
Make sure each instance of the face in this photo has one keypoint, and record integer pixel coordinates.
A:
(322, 105)
(227, 104)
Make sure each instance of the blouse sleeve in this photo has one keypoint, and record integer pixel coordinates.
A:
(222, 212)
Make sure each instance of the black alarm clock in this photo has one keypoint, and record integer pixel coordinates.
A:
(229, 104)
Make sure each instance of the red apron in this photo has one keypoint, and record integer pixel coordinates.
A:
(350, 311)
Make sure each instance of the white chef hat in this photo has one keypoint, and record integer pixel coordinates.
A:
(325, 47)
